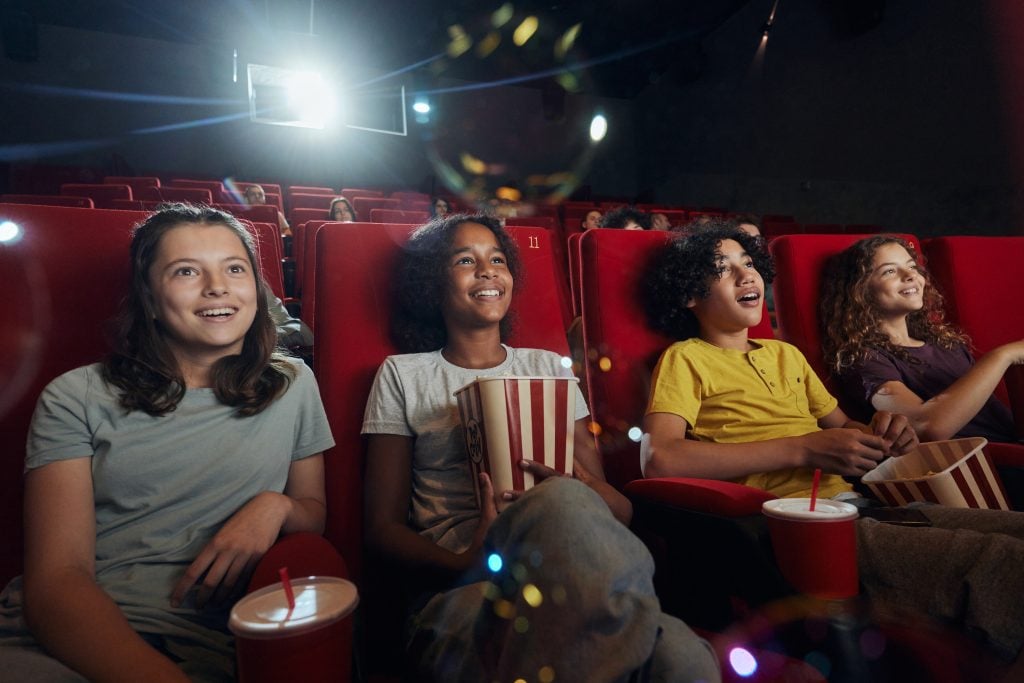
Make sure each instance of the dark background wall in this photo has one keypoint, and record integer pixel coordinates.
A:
(908, 121)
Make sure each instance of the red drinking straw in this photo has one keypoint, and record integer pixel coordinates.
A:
(814, 487)
(286, 581)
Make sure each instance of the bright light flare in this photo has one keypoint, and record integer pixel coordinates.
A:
(598, 128)
(309, 98)
(635, 434)
(421, 107)
(9, 231)
(742, 662)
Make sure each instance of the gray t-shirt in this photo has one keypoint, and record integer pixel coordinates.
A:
(413, 396)
(163, 486)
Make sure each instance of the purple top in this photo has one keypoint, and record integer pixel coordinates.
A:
(936, 368)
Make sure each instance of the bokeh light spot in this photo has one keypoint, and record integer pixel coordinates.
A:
(605, 363)
(504, 609)
(567, 40)
(594, 428)
(598, 128)
(494, 562)
(519, 571)
(635, 434)
(546, 674)
(488, 45)
(9, 231)
(566, 362)
(532, 595)
(742, 662)
(558, 595)
(521, 625)
(501, 15)
(525, 30)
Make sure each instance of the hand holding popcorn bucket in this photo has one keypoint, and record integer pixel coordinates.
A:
(508, 419)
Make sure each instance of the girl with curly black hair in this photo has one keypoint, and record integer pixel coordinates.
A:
(453, 289)
(888, 345)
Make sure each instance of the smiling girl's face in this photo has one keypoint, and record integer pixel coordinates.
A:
(204, 291)
(895, 284)
(479, 281)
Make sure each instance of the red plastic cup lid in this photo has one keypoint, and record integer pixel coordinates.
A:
(799, 509)
(319, 601)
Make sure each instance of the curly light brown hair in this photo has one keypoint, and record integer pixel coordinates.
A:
(849, 318)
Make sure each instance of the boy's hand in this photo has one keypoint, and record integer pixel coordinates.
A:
(844, 451)
(896, 430)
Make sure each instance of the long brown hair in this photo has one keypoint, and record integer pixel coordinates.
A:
(849, 317)
(142, 365)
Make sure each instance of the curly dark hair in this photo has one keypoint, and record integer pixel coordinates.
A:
(618, 218)
(142, 364)
(685, 268)
(849, 319)
(417, 323)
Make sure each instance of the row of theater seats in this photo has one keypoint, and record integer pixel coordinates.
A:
(58, 327)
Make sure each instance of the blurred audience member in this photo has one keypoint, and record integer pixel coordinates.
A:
(626, 218)
(254, 195)
(342, 211)
(439, 207)
(591, 220)
(659, 221)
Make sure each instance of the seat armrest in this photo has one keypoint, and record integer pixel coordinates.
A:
(709, 496)
(305, 554)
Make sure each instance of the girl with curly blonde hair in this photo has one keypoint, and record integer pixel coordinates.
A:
(889, 347)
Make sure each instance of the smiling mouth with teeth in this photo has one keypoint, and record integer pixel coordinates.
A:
(486, 292)
(753, 296)
(216, 312)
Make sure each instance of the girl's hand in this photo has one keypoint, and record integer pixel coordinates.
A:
(896, 430)
(539, 471)
(1014, 352)
(488, 513)
(233, 552)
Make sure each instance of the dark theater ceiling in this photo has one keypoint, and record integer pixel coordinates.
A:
(624, 44)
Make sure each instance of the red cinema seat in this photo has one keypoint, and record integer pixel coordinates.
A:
(364, 205)
(191, 195)
(47, 200)
(406, 197)
(575, 285)
(408, 205)
(271, 190)
(56, 326)
(134, 182)
(355, 264)
(268, 244)
(398, 216)
(217, 191)
(621, 350)
(300, 216)
(351, 193)
(129, 204)
(307, 201)
(264, 213)
(101, 194)
(309, 189)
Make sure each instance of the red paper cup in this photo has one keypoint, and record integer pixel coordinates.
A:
(508, 419)
(310, 643)
(816, 551)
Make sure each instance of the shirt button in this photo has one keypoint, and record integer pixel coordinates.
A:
(772, 383)
(764, 372)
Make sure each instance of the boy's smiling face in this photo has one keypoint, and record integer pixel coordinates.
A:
(735, 299)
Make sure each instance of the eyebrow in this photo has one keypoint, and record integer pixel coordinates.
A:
(894, 263)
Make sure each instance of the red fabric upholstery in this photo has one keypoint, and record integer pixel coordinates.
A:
(799, 260)
(130, 205)
(406, 197)
(977, 276)
(305, 269)
(702, 495)
(216, 188)
(351, 193)
(192, 195)
(47, 200)
(309, 189)
(132, 181)
(355, 268)
(615, 331)
(268, 243)
(300, 216)
(309, 201)
(101, 195)
(575, 286)
(70, 269)
(265, 213)
(560, 261)
(363, 205)
(398, 216)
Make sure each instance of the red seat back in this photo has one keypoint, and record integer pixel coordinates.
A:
(69, 269)
(192, 195)
(398, 216)
(264, 213)
(363, 205)
(799, 261)
(351, 193)
(269, 248)
(300, 216)
(310, 189)
(621, 350)
(216, 188)
(977, 276)
(406, 197)
(100, 194)
(132, 181)
(355, 266)
(48, 200)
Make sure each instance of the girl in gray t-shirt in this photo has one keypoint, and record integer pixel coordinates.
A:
(157, 479)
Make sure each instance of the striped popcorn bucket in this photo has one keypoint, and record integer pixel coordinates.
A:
(954, 473)
(508, 419)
